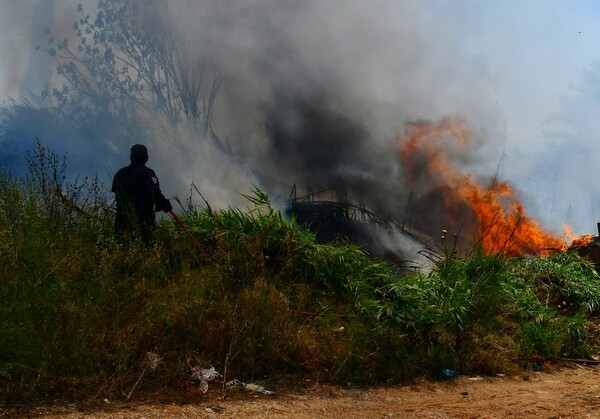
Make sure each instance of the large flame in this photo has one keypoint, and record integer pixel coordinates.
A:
(502, 223)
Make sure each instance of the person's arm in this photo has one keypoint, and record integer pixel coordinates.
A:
(160, 202)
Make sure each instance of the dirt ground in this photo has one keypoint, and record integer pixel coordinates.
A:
(567, 392)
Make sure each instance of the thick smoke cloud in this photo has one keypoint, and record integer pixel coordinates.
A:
(325, 89)
(311, 92)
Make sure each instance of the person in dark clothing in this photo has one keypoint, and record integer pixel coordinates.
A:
(138, 196)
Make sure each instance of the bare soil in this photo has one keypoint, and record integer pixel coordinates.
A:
(566, 392)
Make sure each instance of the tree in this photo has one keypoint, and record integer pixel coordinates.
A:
(126, 60)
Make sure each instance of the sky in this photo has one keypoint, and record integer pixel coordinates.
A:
(539, 49)
(507, 64)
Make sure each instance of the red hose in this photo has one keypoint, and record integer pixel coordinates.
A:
(190, 235)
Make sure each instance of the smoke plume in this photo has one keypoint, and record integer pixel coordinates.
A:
(310, 92)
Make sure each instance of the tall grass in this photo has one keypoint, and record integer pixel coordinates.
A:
(80, 311)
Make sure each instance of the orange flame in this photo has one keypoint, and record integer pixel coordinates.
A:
(503, 225)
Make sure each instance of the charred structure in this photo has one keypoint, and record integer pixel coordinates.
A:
(344, 218)
(588, 246)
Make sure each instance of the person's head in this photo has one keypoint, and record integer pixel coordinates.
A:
(139, 154)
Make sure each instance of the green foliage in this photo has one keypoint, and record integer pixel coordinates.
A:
(81, 310)
(449, 312)
(564, 280)
(551, 298)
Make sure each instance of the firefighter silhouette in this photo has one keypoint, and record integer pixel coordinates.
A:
(138, 196)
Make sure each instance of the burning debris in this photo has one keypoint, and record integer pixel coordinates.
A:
(491, 213)
(588, 246)
(478, 213)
